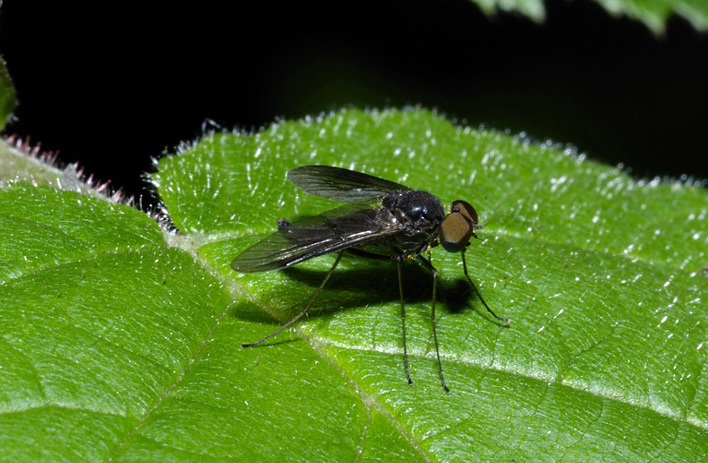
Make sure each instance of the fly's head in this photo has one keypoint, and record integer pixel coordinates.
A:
(458, 226)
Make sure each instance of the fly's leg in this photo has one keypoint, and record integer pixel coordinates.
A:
(403, 323)
(464, 267)
(305, 310)
(426, 263)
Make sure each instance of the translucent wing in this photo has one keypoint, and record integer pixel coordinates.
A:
(341, 184)
(338, 229)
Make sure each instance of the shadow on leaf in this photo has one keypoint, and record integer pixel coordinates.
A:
(370, 283)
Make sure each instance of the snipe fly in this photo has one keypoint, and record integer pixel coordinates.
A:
(383, 219)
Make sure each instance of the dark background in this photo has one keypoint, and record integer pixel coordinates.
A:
(110, 84)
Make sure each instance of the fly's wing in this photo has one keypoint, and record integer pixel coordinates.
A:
(341, 184)
(310, 237)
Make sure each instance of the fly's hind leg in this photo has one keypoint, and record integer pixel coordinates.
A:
(307, 306)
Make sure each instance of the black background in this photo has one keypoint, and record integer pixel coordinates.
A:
(110, 84)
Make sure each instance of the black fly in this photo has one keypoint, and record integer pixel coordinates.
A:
(382, 219)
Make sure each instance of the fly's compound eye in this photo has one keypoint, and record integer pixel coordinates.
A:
(458, 226)
(466, 209)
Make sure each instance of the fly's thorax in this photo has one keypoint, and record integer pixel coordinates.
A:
(418, 214)
(416, 210)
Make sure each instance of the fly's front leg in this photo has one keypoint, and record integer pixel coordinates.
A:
(307, 306)
(464, 268)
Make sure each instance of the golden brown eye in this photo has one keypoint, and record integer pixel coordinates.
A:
(455, 232)
(466, 209)
(458, 226)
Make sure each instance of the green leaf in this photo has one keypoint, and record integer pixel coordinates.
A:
(534, 9)
(20, 162)
(17, 163)
(116, 345)
(653, 13)
(7, 94)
